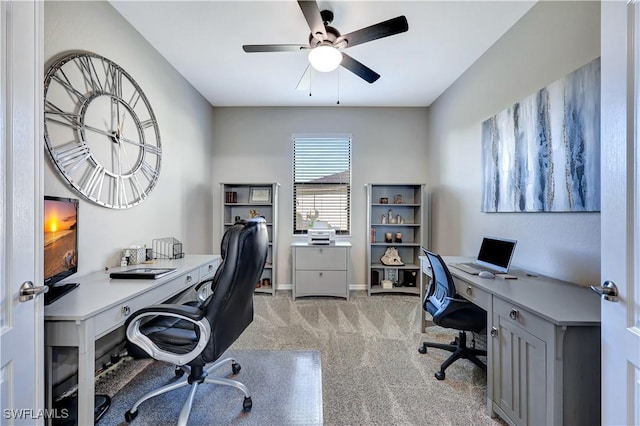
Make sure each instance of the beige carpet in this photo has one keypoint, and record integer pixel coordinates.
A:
(295, 374)
(372, 373)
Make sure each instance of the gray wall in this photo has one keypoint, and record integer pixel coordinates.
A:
(254, 145)
(550, 41)
(204, 145)
(180, 204)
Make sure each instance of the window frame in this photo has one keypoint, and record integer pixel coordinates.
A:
(334, 136)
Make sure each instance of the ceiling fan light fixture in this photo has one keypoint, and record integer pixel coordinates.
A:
(325, 58)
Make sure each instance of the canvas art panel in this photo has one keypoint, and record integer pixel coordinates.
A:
(542, 154)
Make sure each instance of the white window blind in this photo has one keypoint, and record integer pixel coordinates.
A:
(322, 183)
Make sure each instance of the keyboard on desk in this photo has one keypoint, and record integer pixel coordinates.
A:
(470, 268)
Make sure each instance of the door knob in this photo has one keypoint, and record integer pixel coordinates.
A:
(608, 291)
(28, 291)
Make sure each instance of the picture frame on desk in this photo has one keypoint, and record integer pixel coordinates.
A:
(259, 194)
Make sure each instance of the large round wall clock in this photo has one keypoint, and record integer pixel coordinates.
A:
(100, 130)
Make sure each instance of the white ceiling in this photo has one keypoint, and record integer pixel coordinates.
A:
(203, 41)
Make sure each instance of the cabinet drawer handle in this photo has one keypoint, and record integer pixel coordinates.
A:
(320, 273)
(469, 291)
(494, 332)
(189, 278)
(126, 310)
(210, 267)
(514, 314)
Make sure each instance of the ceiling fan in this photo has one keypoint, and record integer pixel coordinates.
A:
(326, 44)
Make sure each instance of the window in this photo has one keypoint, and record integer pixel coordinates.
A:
(322, 183)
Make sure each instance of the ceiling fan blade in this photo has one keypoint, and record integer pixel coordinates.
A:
(311, 13)
(252, 48)
(380, 30)
(359, 69)
(305, 80)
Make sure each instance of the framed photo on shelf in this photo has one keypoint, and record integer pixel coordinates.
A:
(259, 194)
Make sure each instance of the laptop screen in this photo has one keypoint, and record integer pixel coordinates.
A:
(496, 253)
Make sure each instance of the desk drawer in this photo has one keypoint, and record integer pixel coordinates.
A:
(208, 270)
(321, 258)
(474, 294)
(321, 282)
(114, 317)
(524, 319)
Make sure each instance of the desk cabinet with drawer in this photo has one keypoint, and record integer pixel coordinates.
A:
(542, 373)
(100, 305)
(320, 270)
(543, 345)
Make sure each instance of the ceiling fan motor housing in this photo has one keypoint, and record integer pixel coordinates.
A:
(332, 36)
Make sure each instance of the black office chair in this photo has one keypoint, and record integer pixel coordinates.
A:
(450, 310)
(190, 336)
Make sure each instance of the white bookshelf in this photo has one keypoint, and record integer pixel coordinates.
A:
(238, 201)
(396, 210)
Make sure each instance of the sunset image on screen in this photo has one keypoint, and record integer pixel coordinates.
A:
(60, 227)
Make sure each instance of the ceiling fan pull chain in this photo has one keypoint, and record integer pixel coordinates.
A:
(338, 103)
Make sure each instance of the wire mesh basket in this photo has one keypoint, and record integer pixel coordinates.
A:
(167, 248)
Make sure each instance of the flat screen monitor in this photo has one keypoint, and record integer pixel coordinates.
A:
(60, 238)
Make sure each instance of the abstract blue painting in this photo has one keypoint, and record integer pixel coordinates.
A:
(542, 154)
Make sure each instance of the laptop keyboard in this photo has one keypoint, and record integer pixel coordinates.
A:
(470, 268)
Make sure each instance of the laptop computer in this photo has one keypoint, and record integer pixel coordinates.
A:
(494, 256)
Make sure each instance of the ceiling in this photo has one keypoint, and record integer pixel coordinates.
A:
(203, 41)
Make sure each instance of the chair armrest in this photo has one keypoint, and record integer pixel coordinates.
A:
(184, 312)
(201, 290)
(192, 313)
(201, 283)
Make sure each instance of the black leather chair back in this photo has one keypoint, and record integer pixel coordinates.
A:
(229, 309)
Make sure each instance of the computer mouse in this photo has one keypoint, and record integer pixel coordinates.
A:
(486, 274)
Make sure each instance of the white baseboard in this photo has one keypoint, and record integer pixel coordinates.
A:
(351, 287)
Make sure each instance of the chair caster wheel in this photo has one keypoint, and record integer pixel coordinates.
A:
(440, 375)
(235, 368)
(247, 403)
(422, 349)
(179, 372)
(129, 416)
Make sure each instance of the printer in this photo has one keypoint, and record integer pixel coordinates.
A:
(321, 234)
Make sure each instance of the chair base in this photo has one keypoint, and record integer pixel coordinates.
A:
(460, 350)
(195, 377)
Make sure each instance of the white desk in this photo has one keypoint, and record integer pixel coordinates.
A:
(543, 346)
(100, 305)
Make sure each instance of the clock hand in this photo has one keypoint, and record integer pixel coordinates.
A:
(120, 127)
(95, 129)
(146, 147)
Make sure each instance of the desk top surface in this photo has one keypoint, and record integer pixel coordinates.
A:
(561, 302)
(97, 292)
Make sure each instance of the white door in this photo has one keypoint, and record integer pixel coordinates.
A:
(620, 261)
(21, 323)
